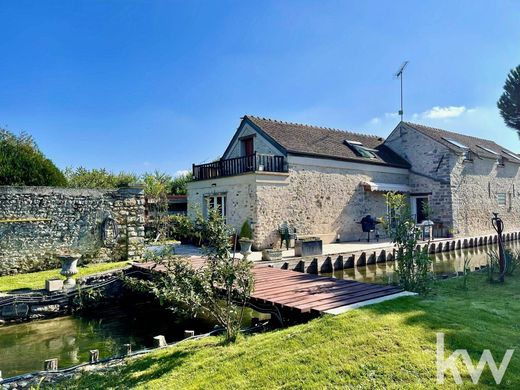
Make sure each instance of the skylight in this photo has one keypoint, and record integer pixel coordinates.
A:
(512, 155)
(361, 150)
(488, 150)
(456, 143)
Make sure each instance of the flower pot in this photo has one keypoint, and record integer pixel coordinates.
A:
(69, 268)
(272, 254)
(245, 246)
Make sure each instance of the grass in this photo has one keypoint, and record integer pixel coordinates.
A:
(36, 280)
(389, 345)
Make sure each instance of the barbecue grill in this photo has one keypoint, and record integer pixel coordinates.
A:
(368, 225)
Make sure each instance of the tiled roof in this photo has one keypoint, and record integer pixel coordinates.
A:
(325, 142)
(476, 145)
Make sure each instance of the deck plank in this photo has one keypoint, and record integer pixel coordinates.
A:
(306, 293)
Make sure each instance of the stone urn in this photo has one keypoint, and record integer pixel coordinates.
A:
(245, 246)
(69, 264)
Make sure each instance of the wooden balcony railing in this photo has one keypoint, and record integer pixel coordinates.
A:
(238, 165)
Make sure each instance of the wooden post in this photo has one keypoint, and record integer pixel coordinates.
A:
(160, 341)
(94, 356)
(50, 365)
(128, 348)
(189, 333)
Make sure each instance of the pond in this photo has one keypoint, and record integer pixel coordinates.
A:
(444, 263)
(24, 347)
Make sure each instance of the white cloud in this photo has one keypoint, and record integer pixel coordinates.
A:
(375, 121)
(444, 112)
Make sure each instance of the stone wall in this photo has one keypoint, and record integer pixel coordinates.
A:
(432, 164)
(322, 198)
(318, 197)
(38, 222)
(475, 186)
(240, 193)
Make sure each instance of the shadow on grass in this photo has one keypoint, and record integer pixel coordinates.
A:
(134, 372)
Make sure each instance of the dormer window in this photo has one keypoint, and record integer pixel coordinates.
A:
(361, 150)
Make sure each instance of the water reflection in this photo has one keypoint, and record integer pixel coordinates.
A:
(442, 263)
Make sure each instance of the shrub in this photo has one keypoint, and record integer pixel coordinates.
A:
(245, 231)
(221, 288)
(23, 164)
(413, 265)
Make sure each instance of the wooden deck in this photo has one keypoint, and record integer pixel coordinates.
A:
(306, 293)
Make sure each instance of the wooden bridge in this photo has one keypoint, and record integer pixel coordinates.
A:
(301, 293)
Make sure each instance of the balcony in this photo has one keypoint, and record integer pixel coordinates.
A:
(236, 166)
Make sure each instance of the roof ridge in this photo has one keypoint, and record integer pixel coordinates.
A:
(315, 126)
(451, 132)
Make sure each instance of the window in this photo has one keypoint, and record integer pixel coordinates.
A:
(501, 198)
(488, 150)
(216, 202)
(361, 150)
(513, 156)
(456, 143)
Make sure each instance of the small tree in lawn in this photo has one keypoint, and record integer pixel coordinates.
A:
(413, 265)
(509, 102)
(221, 288)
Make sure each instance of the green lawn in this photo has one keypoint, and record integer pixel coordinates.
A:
(389, 345)
(36, 280)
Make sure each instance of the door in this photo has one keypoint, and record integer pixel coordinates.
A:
(420, 208)
(248, 147)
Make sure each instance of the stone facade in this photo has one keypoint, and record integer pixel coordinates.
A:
(317, 197)
(38, 222)
(463, 193)
(325, 197)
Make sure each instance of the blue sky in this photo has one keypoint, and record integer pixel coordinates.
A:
(144, 85)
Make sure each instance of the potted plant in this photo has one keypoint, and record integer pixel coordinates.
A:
(451, 232)
(246, 238)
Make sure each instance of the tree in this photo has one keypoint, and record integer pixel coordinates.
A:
(413, 263)
(156, 188)
(179, 184)
(23, 164)
(221, 288)
(509, 102)
(98, 178)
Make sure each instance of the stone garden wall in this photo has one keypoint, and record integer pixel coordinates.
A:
(38, 222)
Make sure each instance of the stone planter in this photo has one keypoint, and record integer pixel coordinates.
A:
(308, 247)
(272, 254)
(69, 268)
(245, 246)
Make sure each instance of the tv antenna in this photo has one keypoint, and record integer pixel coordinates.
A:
(399, 75)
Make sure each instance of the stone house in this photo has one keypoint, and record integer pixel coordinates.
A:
(323, 181)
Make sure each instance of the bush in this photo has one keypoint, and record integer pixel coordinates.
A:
(98, 178)
(245, 231)
(221, 288)
(23, 164)
(413, 265)
(182, 228)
